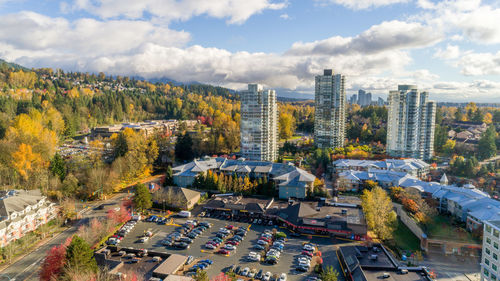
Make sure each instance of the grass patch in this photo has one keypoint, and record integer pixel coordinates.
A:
(404, 240)
(441, 227)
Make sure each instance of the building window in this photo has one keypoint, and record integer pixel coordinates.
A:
(486, 261)
(488, 251)
(493, 277)
(486, 273)
(495, 245)
(494, 266)
(488, 240)
(495, 257)
(488, 228)
(496, 233)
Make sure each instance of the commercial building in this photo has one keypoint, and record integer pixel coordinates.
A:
(411, 123)
(177, 197)
(489, 259)
(291, 181)
(22, 211)
(259, 124)
(330, 112)
(362, 263)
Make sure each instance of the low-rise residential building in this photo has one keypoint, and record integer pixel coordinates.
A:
(413, 167)
(291, 181)
(148, 127)
(22, 211)
(489, 259)
(177, 197)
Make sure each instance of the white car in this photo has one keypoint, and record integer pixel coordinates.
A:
(262, 242)
(308, 247)
(229, 247)
(210, 246)
(245, 271)
(282, 277)
(267, 276)
(302, 259)
(305, 263)
(144, 239)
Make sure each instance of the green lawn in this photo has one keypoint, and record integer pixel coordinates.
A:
(404, 239)
(441, 228)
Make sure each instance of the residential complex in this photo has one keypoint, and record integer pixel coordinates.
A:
(489, 259)
(413, 167)
(291, 181)
(148, 127)
(330, 110)
(259, 124)
(22, 211)
(411, 123)
(466, 203)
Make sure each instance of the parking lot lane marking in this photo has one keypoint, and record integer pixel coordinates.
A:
(338, 259)
(248, 228)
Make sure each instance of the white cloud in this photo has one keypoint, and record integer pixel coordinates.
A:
(451, 52)
(362, 4)
(236, 11)
(391, 35)
(480, 64)
(285, 16)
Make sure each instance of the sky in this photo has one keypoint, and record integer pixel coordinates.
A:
(450, 48)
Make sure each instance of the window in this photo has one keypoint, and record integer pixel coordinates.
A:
(486, 261)
(495, 257)
(496, 233)
(495, 245)
(486, 273)
(494, 266)
(488, 240)
(488, 228)
(493, 277)
(488, 251)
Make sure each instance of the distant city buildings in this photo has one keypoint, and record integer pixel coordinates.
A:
(330, 114)
(259, 124)
(411, 123)
(365, 99)
(489, 258)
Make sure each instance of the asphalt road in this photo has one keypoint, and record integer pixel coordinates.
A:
(27, 267)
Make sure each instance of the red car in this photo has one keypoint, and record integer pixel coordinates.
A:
(307, 253)
(265, 239)
(213, 243)
(232, 242)
(223, 252)
(230, 227)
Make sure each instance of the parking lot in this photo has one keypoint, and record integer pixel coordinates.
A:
(287, 262)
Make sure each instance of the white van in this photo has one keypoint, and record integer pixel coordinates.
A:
(185, 214)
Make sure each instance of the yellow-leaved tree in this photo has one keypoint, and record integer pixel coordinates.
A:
(379, 214)
(24, 160)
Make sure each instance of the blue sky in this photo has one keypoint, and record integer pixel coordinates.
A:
(450, 48)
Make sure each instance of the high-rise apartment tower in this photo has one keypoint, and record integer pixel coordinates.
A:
(259, 124)
(330, 112)
(411, 123)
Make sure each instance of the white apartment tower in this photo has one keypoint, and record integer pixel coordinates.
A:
(489, 259)
(330, 103)
(411, 123)
(259, 124)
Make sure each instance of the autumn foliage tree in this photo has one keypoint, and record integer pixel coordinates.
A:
(53, 264)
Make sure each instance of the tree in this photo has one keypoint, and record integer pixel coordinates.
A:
(329, 274)
(57, 166)
(449, 146)
(379, 213)
(369, 184)
(184, 147)
(69, 186)
(142, 198)
(286, 125)
(486, 146)
(201, 275)
(53, 264)
(169, 176)
(25, 160)
(80, 256)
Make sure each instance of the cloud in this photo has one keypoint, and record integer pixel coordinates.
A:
(451, 52)
(362, 4)
(285, 16)
(235, 11)
(389, 35)
(480, 64)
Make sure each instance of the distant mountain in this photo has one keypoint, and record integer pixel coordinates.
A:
(15, 66)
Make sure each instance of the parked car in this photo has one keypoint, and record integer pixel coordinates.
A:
(223, 252)
(267, 276)
(189, 260)
(245, 271)
(282, 277)
(259, 274)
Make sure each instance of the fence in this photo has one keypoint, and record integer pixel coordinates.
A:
(411, 224)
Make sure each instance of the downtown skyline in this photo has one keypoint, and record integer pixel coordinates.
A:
(449, 49)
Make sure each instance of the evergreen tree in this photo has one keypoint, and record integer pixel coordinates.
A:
(184, 147)
(79, 256)
(142, 198)
(486, 145)
(57, 166)
(121, 146)
(169, 176)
